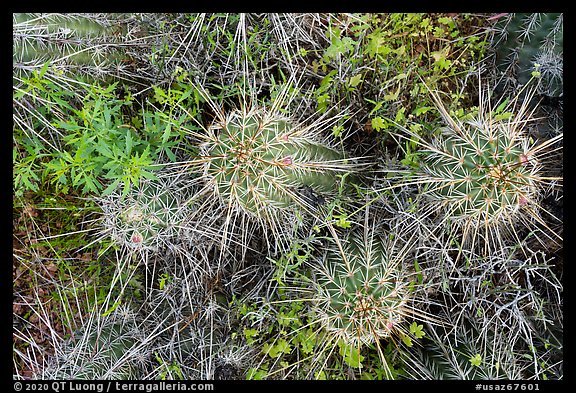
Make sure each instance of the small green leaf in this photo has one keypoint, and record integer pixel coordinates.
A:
(320, 376)
(418, 269)
(148, 175)
(420, 110)
(407, 340)
(378, 123)
(400, 115)
(111, 187)
(355, 80)
(277, 349)
(343, 221)
(500, 108)
(167, 133)
(257, 374)
(350, 354)
(112, 308)
(392, 96)
(307, 341)
(102, 148)
(164, 278)
(476, 360)
(250, 335)
(416, 330)
(129, 143)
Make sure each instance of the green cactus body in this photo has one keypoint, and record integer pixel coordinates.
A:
(483, 174)
(465, 355)
(529, 39)
(147, 216)
(150, 212)
(99, 350)
(256, 161)
(70, 42)
(363, 298)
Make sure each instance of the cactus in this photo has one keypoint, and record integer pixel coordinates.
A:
(465, 354)
(85, 43)
(365, 293)
(524, 40)
(362, 294)
(148, 217)
(263, 169)
(256, 162)
(105, 348)
(486, 174)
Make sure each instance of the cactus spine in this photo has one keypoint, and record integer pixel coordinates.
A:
(532, 42)
(485, 175)
(83, 43)
(466, 354)
(105, 348)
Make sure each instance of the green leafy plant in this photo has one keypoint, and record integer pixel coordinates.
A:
(378, 61)
(104, 146)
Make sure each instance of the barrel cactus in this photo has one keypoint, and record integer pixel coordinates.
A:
(106, 347)
(148, 217)
(485, 174)
(256, 162)
(362, 291)
(261, 168)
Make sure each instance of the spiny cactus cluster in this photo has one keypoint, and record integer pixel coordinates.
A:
(482, 171)
(362, 293)
(463, 355)
(147, 217)
(532, 42)
(262, 168)
(253, 170)
(106, 347)
(484, 174)
(256, 161)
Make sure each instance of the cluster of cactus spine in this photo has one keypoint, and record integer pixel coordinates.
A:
(147, 217)
(107, 347)
(265, 170)
(532, 42)
(484, 173)
(466, 354)
(362, 291)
